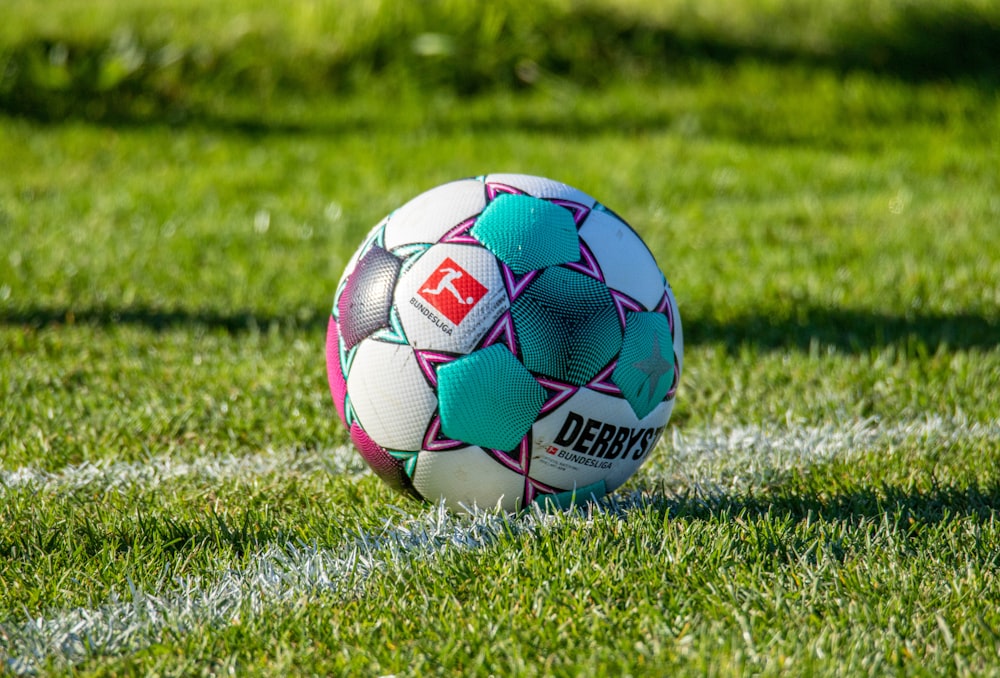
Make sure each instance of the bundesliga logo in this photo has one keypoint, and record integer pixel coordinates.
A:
(452, 290)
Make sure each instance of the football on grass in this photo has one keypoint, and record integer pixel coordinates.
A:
(503, 340)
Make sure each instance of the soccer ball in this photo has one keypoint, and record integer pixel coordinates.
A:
(503, 340)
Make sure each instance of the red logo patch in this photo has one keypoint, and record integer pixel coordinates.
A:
(452, 290)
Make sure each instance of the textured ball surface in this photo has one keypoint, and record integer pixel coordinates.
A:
(503, 340)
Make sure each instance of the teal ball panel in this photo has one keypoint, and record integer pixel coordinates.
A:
(645, 369)
(527, 233)
(567, 326)
(488, 398)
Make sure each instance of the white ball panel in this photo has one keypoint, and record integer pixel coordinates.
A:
(430, 215)
(541, 187)
(627, 263)
(622, 472)
(593, 436)
(426, 325)
(678, 329)
(468, 476)
(390, 396)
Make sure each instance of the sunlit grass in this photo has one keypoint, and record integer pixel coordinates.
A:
(176, 497)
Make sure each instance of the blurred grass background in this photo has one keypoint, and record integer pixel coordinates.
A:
(182, 182)
(173, 59)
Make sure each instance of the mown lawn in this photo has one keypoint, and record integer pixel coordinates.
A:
(175, 495)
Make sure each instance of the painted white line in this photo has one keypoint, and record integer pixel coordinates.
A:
(278, 573)
(738, 459)
(708, 460)
(149, 473)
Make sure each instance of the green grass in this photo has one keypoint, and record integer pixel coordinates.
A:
(173, 59)
(824, 500)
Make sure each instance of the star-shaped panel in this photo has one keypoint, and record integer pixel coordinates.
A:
(558, 393)
(587, 263)
(429, 361)
(502, 333)
(435, 440)
(516, 459)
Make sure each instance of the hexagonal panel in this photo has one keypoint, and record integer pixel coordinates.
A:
(438, 310)
(427, 217)
(467, 477)
(527, 233)
(645, 370)
(390, 395)
(567, 326)
(334, 373)
(364, 304)
(488, 398)
(540, 187)
(624, 259)
(594, 437)
(385, 465)
(678, 327)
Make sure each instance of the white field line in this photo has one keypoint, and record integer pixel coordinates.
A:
(279, 573)
(703, 460)
(738, 459)
(103, 476)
